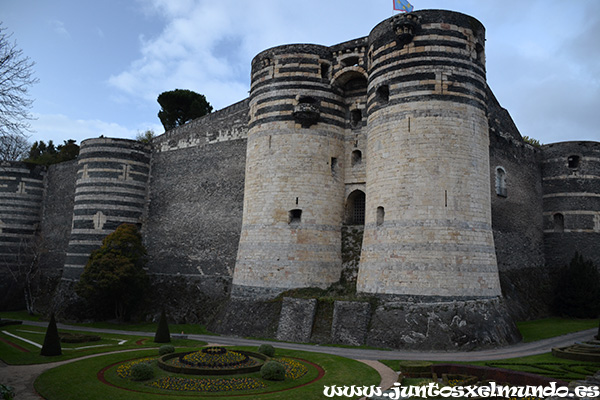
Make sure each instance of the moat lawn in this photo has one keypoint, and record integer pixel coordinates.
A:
(89, 379)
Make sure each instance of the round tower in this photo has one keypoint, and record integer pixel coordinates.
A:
(110, 190)
(428, 215)
(21, 195)
(294, 187)
(571, 187)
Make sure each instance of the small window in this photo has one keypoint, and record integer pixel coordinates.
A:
(573, 162)
(356, 157)
(559, 223)
(501, 182)
(334, 163)
(383, 93)
(294, 216)
(307, 100)
(324, 71)
(380, 216)
(355, 118)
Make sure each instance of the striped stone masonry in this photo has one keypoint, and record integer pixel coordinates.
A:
(571, 199)
(428, 221)
(110, 190)
(21, 195)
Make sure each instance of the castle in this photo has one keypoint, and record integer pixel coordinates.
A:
(384, 161)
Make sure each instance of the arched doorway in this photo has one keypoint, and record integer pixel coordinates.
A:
(355, 208)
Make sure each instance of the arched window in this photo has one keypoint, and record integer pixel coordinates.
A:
(355, 208)
(355, 118)
(356, 157)
(559, 222)
(380, 215)
(501, 182)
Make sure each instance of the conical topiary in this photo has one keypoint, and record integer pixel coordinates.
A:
(162, 331)
(51, 345)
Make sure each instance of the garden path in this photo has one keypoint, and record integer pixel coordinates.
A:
(21, 377)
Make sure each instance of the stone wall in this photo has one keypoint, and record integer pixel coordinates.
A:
(55, 228)
(230, 123)
(516, 193)
(194, 215)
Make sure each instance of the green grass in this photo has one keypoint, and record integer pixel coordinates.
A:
(109, 342)
(137, 327)
(552, 327)
(78, 380)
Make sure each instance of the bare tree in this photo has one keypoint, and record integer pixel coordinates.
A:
(23, 267)
(16, 76)
(13, 147)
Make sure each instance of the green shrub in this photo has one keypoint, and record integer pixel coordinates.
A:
(267, 350)
(6, 392)
(51, 346)
(142, 372)
(162, 331)
(273, 371)
(67, 337)
(166, 349)
(578, 289)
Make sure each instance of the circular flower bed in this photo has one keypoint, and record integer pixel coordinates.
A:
(216, 358)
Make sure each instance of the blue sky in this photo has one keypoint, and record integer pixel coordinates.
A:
(102, 64)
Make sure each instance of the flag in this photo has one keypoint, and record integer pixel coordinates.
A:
(402, 5)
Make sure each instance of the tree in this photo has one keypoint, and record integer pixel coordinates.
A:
(16, 77)
(578, 289)
(51, 346)
(180, 105)
(532, 141)
(145, 137)
(46, 154)
(24, 268)
(162, 334)
(13, 147)
(114, 277)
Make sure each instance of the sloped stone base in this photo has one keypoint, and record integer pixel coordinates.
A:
(442, 325)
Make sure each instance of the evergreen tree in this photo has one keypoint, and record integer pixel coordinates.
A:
(578, 289)
(114, 277)
(162, 331)
(179, 106)
(51, 345)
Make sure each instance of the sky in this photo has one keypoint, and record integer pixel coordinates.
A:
(102, 64)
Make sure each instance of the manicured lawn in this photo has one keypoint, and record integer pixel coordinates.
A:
(551, 327)
(137, 327)
(19, 351)
(78, 380)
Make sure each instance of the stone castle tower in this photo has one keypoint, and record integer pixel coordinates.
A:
(384, 161)
(397, 118)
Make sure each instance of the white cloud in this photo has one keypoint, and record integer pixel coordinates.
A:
(207, 46)
(59, 28)
(59, 127)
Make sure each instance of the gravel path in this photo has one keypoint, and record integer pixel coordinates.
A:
(21, 377)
